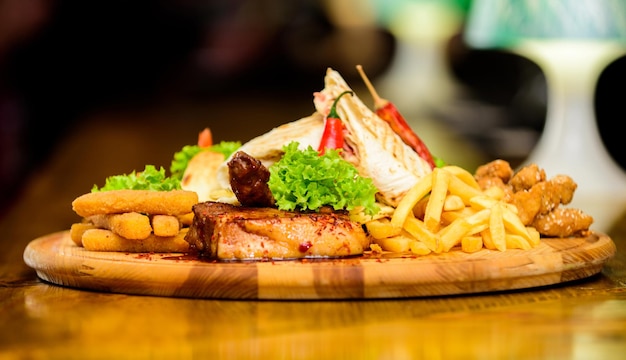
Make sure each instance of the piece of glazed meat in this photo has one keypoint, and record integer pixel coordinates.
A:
(248, 180)
(228, 232)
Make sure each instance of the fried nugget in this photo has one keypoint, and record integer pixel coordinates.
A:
(528, 205)
(186, 219)
(498, 168)
(565, 186)
(106, 240)
(131, 225)
(175, 202)
(527, 177)
(543, 197)
(563, 222)
(537, 199)
(487, 183)
(165, 225)
(78, 229)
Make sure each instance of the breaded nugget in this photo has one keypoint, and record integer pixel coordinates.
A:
(78, 229)
(527, 177)
(537, 198)
(131, 225)
(496, 168)
(487, 182)
(106, 240)
(565, 186)
(175, 202)
(186, 219)
(165, 225)
(563, 222)
(528, 205)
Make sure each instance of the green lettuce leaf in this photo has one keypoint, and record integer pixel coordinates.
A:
(304, 180)
(439, 162)
(226, 147)
(181, 160)
(149, 179)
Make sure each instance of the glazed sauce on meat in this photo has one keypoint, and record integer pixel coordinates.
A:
(248, 179)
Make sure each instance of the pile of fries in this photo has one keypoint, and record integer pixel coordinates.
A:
(447, 209)
(134, 220)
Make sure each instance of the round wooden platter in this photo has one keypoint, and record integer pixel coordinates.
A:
(371, 276)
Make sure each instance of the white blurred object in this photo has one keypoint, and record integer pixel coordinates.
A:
(572, 41)
(418, 79)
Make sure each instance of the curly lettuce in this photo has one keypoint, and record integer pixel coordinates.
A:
(148, 179)
(181, 158)
(304, 180)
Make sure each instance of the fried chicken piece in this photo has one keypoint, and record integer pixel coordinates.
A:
(550, 196)
(498, 168)
(488, 183)
(563, 222)
(566, 187)
(496, 173)
(543, 197)
(527, 177)
(528, 204)
(537, 198)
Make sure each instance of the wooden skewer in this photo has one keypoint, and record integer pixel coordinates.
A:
(378, 101)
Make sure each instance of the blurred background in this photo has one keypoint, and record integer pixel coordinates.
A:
(109, 86)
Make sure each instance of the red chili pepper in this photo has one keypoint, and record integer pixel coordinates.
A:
(332, 138)
(387, 111)
(205, 138)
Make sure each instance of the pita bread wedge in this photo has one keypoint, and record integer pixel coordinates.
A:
(201, 176)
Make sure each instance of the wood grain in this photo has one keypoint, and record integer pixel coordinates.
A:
(58, 260)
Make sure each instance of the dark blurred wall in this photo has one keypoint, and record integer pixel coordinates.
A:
(92, 54)
(60, 60)
(84, 56)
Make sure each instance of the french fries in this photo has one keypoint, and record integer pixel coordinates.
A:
(447, 209)
(438, 192)
(415, 194)
(134, 220)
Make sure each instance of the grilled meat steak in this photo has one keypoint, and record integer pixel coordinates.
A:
(248, 179)
(228, 232)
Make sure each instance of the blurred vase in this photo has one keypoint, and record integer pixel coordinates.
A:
(419, 79)
(572, 41)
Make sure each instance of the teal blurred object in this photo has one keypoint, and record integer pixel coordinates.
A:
(572, 41)
(505, 23)
(387, 10)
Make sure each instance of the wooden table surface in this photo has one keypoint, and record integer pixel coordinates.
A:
(581, 320)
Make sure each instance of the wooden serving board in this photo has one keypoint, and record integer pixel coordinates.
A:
(58, 260)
